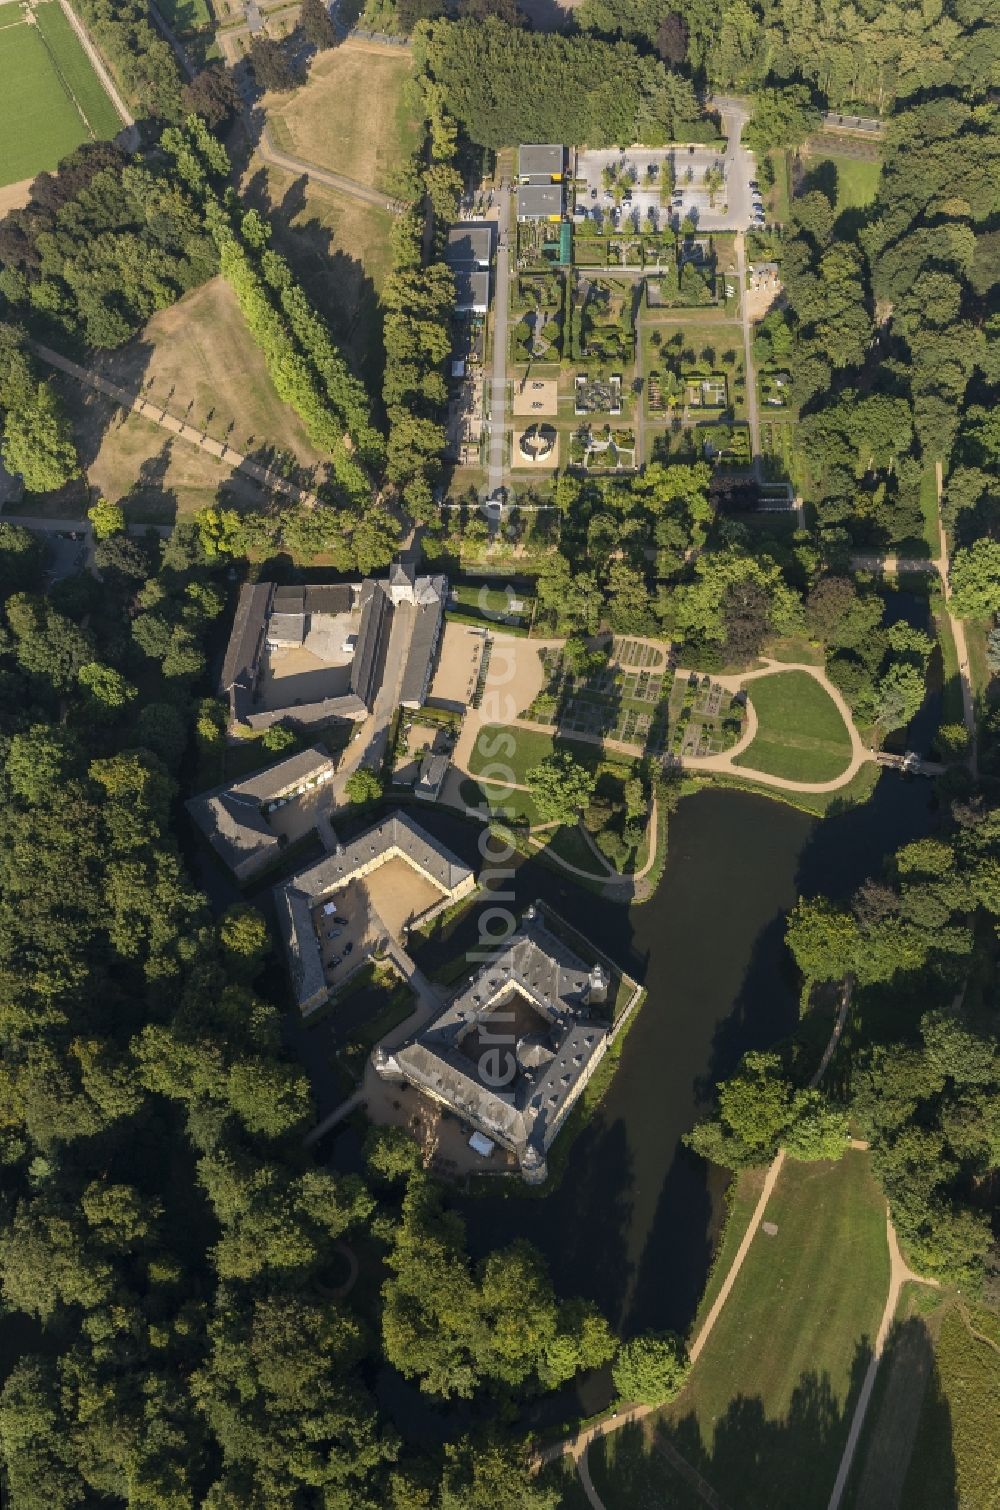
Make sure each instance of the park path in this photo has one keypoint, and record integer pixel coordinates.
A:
(497, 467)
(97, 63)
(724, 762)
(753, 413)
(259, 133)
(899, 1274)
(940, 565)
(860, 754)
(172, 38)
(158, 415)
(578, 1444)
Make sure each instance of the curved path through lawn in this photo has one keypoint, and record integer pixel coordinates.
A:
(578, 1444)
(899, 1274)
(726, 761)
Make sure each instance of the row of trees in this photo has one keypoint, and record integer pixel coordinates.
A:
(143, 61)
(418, 301)
(307, 370)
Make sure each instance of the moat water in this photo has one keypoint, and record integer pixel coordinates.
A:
(634, 1221)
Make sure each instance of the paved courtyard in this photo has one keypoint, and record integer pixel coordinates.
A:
(457, 671)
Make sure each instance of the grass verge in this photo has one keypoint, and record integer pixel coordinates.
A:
(819, 804)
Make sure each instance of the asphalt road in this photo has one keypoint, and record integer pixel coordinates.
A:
(498, 387)
(753, 412)
(740, 163)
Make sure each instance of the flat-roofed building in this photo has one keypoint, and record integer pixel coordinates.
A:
(541, 161)
(472, 292)
(540, 202)
(469, 244)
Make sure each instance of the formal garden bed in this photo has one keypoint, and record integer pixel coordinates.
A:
(626, 701)
(704, 718)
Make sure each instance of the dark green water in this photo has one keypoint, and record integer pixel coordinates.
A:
(634, 1221)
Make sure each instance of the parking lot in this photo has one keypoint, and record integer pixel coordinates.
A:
(640, 171)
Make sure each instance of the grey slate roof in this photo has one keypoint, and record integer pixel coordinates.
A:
(373, 642)
(231, 816)
(246, 641)
(332, 597)
(431, 596)
(296, 897)
(526, 1111)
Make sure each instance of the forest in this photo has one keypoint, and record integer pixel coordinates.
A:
(161, 1224)
(169, 1254)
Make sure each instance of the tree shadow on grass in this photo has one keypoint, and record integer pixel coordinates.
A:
(746, 1459)
(336, 282)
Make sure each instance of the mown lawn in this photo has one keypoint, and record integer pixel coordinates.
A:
(99, 115)
(501, 752)
(39, 122)
(800, 733)
(857, 181)
(766, 1411)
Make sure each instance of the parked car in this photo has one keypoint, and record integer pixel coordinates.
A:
(651, 212)
(342, 921)
(335, 961)
(754, 184)
(347, 949)
(627, 196)
(593, 193)
(334, 933)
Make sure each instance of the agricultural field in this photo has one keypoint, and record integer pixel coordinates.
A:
(350, 116)
(200, 361)
(51, 101)
(765, 1413)
(800, 733)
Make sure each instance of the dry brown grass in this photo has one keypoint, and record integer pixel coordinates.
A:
(200, 361)
(339, 248)
(15, 196)
(349, 116)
